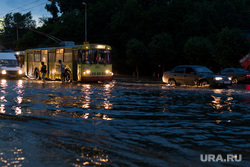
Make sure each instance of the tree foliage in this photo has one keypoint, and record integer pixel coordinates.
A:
(198, 50)
(15, 24)
(172, 31)
(135, 50)
(230, 47)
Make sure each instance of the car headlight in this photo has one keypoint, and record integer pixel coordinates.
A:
(229, 78)
(20, 72)
(4, 72)
(218, 78)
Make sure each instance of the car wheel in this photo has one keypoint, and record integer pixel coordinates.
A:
(234, 81)
(204, 83)
(172, 82)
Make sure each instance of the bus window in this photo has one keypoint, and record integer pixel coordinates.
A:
(37, 56)
(67, 55)
(44, 55)
(93, 57)
(59, 54)
(104, 57)
(52, 57)
(79, 56)
(89, 57)
(30, 57)
(85, 57)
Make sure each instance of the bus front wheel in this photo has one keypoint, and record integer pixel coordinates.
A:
(67, 76)
(36, 74)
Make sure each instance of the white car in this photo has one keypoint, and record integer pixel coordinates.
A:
(9, 67)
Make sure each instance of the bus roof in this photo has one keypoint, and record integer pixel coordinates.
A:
(57, 47)
(60, 47)
(7, 56)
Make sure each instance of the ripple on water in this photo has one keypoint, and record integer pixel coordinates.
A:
(120, 124)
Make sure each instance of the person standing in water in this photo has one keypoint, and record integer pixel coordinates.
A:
(62, 71)
(43, 71)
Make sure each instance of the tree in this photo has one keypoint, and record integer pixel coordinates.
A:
(52, 8)
(230, 47)
(28, 40)
(135, 54)
(198, 50)
(21, 20)
(171, 28)
(15, 24)
(161, 51)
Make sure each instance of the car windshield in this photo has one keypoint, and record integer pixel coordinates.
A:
(8, 63)
(202, 70)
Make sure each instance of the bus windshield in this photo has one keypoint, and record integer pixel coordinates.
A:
(95, 57)
(8, 63)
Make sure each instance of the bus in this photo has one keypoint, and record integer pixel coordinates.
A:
(86, 63)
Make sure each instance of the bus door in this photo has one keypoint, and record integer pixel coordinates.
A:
(75, 60)
(52, 65)
(30, 61)
(44, 58)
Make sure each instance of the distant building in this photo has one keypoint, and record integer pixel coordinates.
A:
(1, 25)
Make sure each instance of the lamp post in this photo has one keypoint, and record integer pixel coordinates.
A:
(85, 21)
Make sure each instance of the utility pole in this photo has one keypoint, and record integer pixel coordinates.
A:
(85, 22)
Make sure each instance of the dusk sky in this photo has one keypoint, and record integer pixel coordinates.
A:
(37, 7)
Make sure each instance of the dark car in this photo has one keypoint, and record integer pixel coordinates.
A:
(237, 74)
(195, 75)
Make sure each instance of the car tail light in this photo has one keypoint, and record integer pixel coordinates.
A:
(247, 75)
(163, 74)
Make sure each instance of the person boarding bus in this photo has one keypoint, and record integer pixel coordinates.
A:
(62, 71)
(43, 71)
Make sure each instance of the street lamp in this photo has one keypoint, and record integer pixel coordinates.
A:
(85, 21)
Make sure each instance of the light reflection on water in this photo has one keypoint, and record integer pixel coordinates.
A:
(86, 100)
(14, 157)
(120, 124)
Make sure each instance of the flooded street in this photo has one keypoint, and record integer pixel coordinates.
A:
(122, 124)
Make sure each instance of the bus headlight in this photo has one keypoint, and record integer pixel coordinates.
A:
(20, 72)
(4, 72)
(86, 72)
(108, 72)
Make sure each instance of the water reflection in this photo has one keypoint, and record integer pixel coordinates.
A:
(247, 87)
(107, 104)
(18, 110)
(3, 83)
(91, 101)
(91, 157)
(222, 103)
(87, 93)
(117, 125)
(12, 157)
(19, 98)
(2, 108)
(2, 99)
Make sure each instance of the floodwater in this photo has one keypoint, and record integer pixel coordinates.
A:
(122, 124)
